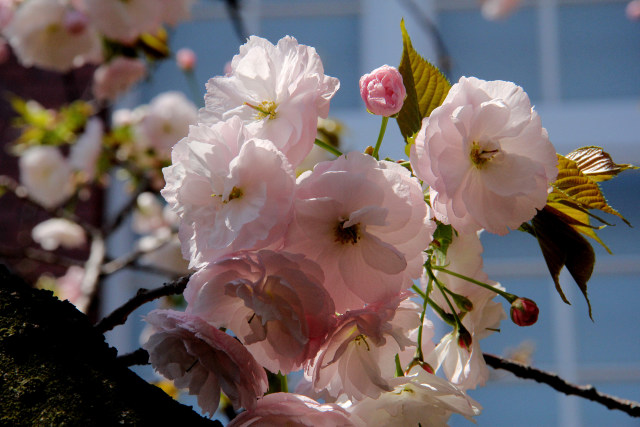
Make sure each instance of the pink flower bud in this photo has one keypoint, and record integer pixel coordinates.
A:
(186, 59)
(524, 312)
(633, 10)
(383, 91)
(75, 22)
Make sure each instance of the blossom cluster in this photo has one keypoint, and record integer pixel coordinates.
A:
(60, 35)
(314, 272)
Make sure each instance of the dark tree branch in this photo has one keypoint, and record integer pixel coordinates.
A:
(138, 357)
(111, 226)
(129, 259)
(587, 392)
(21, 192)
(44, 257)
(143, 296)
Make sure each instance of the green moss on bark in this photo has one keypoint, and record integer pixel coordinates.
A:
(57, 370)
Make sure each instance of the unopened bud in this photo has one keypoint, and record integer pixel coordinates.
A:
(186, 59)
(524, 312)
(464, 339)
(427, 367)
(383, 91)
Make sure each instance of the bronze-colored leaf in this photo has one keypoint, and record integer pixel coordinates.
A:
(597, 164)
(581, 189)
(562, 246)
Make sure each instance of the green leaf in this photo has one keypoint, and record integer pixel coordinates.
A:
(426, 87)
(442, 238)
(596, 163)
(562, 246)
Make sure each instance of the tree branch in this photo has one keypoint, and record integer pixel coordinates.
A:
(138, 357)
(143, 296)
(587, 392)
(111, 226)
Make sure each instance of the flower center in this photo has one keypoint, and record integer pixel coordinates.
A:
(480, 156)
(346, 235)
(264, 109)
(362, 339)
(235, 193)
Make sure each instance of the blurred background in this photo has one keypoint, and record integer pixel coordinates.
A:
(579, 61)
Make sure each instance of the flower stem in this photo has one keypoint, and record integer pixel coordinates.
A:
(383, 128)
(284, 387)
(419, 353)
(399, 372)
(330, 148)
(506, 295)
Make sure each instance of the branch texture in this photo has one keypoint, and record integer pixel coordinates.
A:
(143, 296)
(587, 392)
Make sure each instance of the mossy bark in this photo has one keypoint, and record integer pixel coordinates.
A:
(57, 370)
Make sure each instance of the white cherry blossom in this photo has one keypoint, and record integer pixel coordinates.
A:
(46, 174)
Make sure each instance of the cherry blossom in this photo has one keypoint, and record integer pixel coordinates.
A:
(124, 21)
(186, 59)
(112, 79)
(273, 302)
(52, 35)
(196, 355)
(382, 91)
(165, 121)
(232, 192)
(418, 399)
(486, 157)
(278, 91)
(280, 409)
(86, 150)
(55, 232)
(46, 174)
(499, 9)
(357, 358)
(365, 222)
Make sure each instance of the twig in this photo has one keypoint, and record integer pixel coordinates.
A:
(21, 192)
(130, 258)
(587, 392)
(109, 227)
(138, 357)
(120, 314)
(41, 256)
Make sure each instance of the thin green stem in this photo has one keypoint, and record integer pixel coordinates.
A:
(444, 316)
(425, 303)
(509, 297)
(383, 128)
(399, 372)
(330, 148)
(446, 298)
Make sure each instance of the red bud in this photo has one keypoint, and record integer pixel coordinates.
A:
(524, 312)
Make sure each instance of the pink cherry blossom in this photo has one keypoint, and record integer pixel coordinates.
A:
(69, 286)
(278, 91)
(273, 302)
(124, 21)
(232, 192)
(196, 355)
(186, 59)
(383, 91)
(633, 10)
(164, 122)
(357, 358)
(289, 409)
(175, 11)
(486, 156)
(365, 222)
(86, 150)
(494, 10)
(46, 174)
(418, 399)
(41, 34)
(117, 76)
